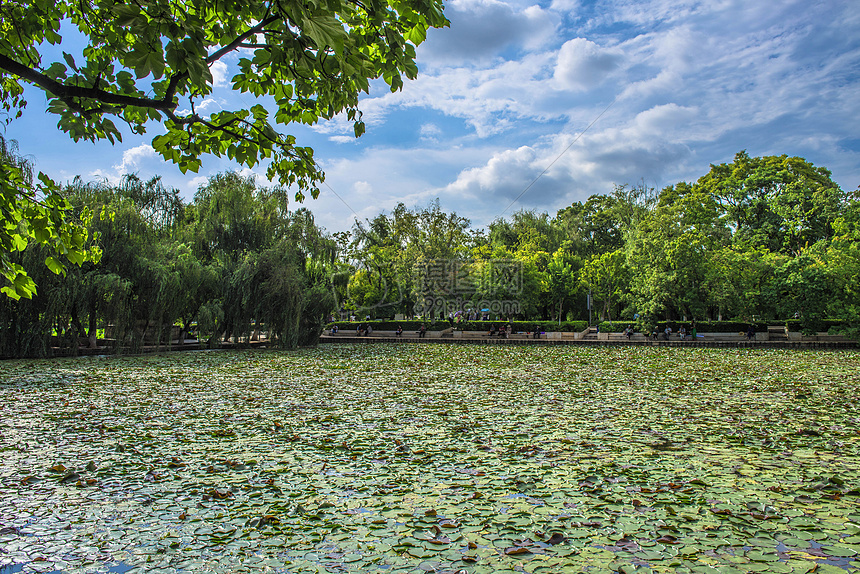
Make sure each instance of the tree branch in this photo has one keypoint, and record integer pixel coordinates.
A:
(67, 93)
(215, 56)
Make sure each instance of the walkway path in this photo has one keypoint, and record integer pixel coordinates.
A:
(780, 344)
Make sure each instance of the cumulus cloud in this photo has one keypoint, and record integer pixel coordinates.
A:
(196, 183)
(380, 178)
(134, 158)
(489, 100)
(506, 174)
(566, 6)
(210, 105)
(665, 118)
(362, 188)
(259, 176)
(102, 175)
(515, 179)
(583, 65)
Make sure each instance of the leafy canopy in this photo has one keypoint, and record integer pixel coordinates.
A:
(151, 61)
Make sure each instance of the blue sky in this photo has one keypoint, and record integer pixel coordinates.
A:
(511, 85)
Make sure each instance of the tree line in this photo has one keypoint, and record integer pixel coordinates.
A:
(757, 239)
(761, 238)
(228, 263)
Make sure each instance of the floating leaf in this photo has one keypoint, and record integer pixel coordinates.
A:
(540, 464)
(517, 550)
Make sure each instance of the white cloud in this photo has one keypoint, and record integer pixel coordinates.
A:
(664, 118)
(489, 100)
(219, 74)
(380, 178)
(102, 175)
(482, 30)
(134, 158)
(507, 173)
(566, 6)
(208, 104)
(362, 188)
(430, 132)
(195, 183)
(258, 175)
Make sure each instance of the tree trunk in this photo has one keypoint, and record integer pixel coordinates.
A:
(92, 334)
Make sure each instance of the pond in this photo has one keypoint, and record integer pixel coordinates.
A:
(431, 458)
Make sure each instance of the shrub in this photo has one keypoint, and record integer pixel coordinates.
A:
(518, 326)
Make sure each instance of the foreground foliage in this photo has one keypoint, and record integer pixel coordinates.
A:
(434, 458)
(157, 61)
(34, 213)
(144, 62)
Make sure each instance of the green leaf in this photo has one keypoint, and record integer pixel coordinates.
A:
(326, 31)
(55, 266)
(70, 61)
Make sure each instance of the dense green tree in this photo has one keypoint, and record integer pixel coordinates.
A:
(562, 279)
(781, 203)
(135, 286)
(391, 255)
(734, 281)
(267, 258)
(803, 287)
(26, 324)
(605, 277)
(237, 262)
(199, 284)
(601, 224)
(668, 254)
(267, 288)
(592, 226)
(843, 259)
(32, 210)
(528, 231)
(230, 219)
